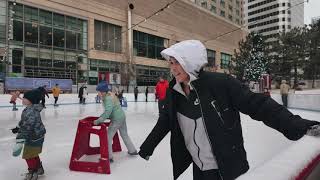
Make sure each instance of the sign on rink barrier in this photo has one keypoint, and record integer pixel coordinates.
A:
(23, 84)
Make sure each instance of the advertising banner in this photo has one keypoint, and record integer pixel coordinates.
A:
(16, 83)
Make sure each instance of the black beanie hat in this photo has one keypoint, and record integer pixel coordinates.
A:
(33, 96)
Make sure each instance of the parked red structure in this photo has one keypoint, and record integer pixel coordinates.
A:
(82, 147)
(305, 174)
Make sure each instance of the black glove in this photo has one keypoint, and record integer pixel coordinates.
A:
(15, 130)
(144, 155)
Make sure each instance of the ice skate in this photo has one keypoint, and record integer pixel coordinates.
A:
(40, 170)
(31, 175)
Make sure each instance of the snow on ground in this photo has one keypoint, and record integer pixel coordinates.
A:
(261, 142)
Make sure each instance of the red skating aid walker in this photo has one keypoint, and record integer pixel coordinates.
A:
(82, 147)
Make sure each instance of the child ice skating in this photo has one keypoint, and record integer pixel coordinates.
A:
(114, 112)
(31, 132)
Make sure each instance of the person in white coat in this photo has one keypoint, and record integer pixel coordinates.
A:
(85, 95)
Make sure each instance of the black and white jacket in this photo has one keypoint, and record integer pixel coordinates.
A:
(221, 98)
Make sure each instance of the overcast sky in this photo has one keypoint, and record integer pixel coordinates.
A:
(311, 9)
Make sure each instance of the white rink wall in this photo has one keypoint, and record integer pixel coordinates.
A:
(301, 101)
(73, 98)
(288, 163)
(306, 100)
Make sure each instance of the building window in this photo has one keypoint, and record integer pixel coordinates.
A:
(58, 42)
(58, 38)
(237, 12)
(99, 67)
(213, 9)
(230, 17)
(283, 4)
(30, 14)
(238, 21)
(147, 45)
(237, 3)
(45, 35)
(230, 8)
(45, 17)
(289, 19)
(204, 4)
(225, 60)
(222, 3)
(45, 58)
(31, 32)
(283, 19)
(211, 54)
(17, 30)
(107, 37)
(222, 13)
(289, 27)
(17, 11)
(148, 75)
(16, 60)
(71, 40)
(58, 20)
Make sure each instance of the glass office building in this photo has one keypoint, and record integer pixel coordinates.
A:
(46, 44)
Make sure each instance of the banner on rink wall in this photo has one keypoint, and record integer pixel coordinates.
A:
(16, 83)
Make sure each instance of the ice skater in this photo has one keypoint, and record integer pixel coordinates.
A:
(136, 92)
(84, 95)
(146, 93)
(56, 92)
(202, 113)
(14, 96)
(284, 91)
(114, 112)
(31, 132)
(44, 93)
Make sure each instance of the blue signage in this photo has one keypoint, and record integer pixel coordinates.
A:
(22, 83)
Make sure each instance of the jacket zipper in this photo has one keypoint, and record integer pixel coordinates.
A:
(194, 139)
(204, 124)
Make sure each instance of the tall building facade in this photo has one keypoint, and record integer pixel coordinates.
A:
(270, 17)
(232, 10)
(86, 40)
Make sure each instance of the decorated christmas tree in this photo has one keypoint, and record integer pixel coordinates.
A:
(250, 60)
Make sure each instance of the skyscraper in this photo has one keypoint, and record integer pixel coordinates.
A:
(270, 17)
(232, 10)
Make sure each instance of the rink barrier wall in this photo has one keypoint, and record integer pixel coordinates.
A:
(296, 162)
(301, 101)
(309, 102)
(71, 99)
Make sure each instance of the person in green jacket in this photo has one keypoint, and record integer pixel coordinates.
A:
(114, 112)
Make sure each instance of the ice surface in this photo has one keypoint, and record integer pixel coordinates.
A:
(261, 142)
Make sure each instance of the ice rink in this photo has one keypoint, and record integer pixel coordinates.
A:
(61, 122)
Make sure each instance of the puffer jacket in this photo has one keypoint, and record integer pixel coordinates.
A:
(112, 109)
(221, 99)
(161, 89)
(31, 126)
